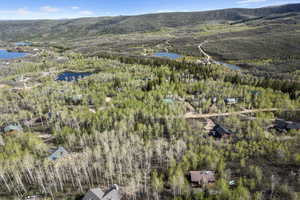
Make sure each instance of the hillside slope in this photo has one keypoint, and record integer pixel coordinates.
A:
(75, 28)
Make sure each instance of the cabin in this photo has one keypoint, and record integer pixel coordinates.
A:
(13, 128)
(231, 101)
(97, 194)
(58, 154)
(220, 132)
(201, 178)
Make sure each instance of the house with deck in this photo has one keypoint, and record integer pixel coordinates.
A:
(202, 178)
(113, 193)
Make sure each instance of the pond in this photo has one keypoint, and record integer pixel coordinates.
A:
(230, 66)
(4, 54)
(72, 76)
(172, 56)
(21, 44)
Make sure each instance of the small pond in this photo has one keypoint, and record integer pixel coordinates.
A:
(230, 66)
(21, 44)
(72, 76)
(4, 54)
(172, 56)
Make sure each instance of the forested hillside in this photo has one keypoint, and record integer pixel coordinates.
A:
(76, 28)
(131, 125)
(95, 102)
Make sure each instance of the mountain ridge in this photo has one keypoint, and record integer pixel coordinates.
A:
(74, 28)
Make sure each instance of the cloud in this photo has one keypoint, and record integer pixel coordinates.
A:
(49, 9)
(75, 8)
(22, 11)
(250, 1)
(86, 13)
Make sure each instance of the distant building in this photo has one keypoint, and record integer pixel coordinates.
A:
(13, 128)
(230, 101)
(97, 194)
(201, 178)
(57, 154)
(220, 132)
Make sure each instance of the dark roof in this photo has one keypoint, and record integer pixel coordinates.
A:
(219, 131)
(286, 125)
(293, 126)
(97, 194)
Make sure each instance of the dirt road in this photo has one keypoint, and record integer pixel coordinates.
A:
(198, 116)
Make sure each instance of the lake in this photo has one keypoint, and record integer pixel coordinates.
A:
(72, 76)
(230, 66)
(172, 56)
(4, 54)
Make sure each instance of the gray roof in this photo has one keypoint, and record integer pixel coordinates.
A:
(97, 194)
(12, 127)
(94, 194)
(59, 153)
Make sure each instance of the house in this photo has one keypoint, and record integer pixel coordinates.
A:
(97, 194)
(220, 132)
(255, 92)
(230, 101)
(201, 178)
(293, 126)
(57, 154)
(168, 101)
(285, 126)
(214, 100)
(13, 128)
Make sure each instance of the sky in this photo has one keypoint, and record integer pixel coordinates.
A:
(62, 9)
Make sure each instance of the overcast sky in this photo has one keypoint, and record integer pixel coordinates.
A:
(60, 9)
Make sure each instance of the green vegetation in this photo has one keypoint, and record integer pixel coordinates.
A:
(143, 122)
(121, 131)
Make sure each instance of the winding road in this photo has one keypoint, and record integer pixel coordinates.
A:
(209, 59)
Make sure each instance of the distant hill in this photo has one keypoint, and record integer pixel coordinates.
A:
(75, 28)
